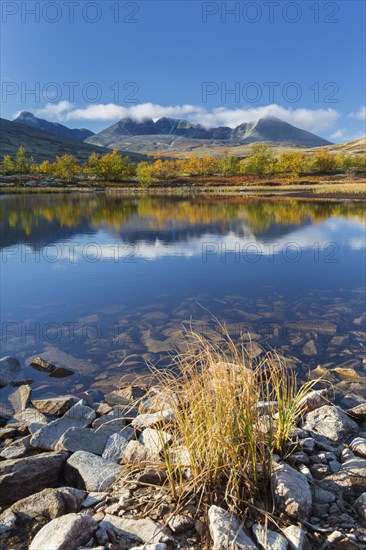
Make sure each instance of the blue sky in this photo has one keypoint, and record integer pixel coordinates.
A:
(217, 63)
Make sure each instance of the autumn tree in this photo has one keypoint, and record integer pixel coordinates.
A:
(66, 168)
(291, 162)
(144, 174)
(22, 164)
(261, 161)
(111, 167)
(7, 165)
(228, 165)
(323, 162)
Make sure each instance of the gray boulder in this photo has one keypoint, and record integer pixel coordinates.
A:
(20, 398)
(227, 531)
(22, 477)
(30, 416)
(331, 422)
(17, 449)
(65, 533)
(91, 472)
(48, 436)
(9, 370)
(50, 503)
(291, 492)
(115, 447)
(82, 439)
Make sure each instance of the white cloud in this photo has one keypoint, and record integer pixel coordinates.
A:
(338, 134)
(312, 120)
(55, 111)
(360, 114)
(343, 135)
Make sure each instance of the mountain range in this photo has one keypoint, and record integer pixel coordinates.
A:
(42, 145)
(169, 134)
(174, 137)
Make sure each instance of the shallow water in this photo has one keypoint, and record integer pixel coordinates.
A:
(102, 283)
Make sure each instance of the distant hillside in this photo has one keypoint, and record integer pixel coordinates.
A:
(53, 128)
(42, 145)
(356, 147)
(175, 135)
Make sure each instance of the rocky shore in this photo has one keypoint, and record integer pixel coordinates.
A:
(89, 473)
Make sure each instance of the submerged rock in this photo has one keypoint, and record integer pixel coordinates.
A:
(9, 370)
(55, 406)
(65, 533)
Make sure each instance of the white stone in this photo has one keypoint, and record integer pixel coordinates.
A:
(151, 419)
(269, 540)
(154, 440)
(65, 533)
(139, 530)
(227, 531)
(296, 537)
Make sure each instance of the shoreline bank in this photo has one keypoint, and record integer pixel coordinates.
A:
(93, 473)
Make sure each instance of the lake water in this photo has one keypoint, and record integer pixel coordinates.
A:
(103, 283)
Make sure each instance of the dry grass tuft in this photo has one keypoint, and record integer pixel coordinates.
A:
(232, 415)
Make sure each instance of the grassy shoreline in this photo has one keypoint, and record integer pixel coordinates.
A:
(353, 189)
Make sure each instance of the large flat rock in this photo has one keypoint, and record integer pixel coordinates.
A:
(139, 530)
(22, 477)
(50, 503)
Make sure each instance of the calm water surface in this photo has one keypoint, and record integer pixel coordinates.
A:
(103, 283)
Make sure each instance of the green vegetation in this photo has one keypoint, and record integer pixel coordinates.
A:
(113, 167)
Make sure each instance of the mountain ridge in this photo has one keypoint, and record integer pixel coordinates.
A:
(54, 128)
(171, 134)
